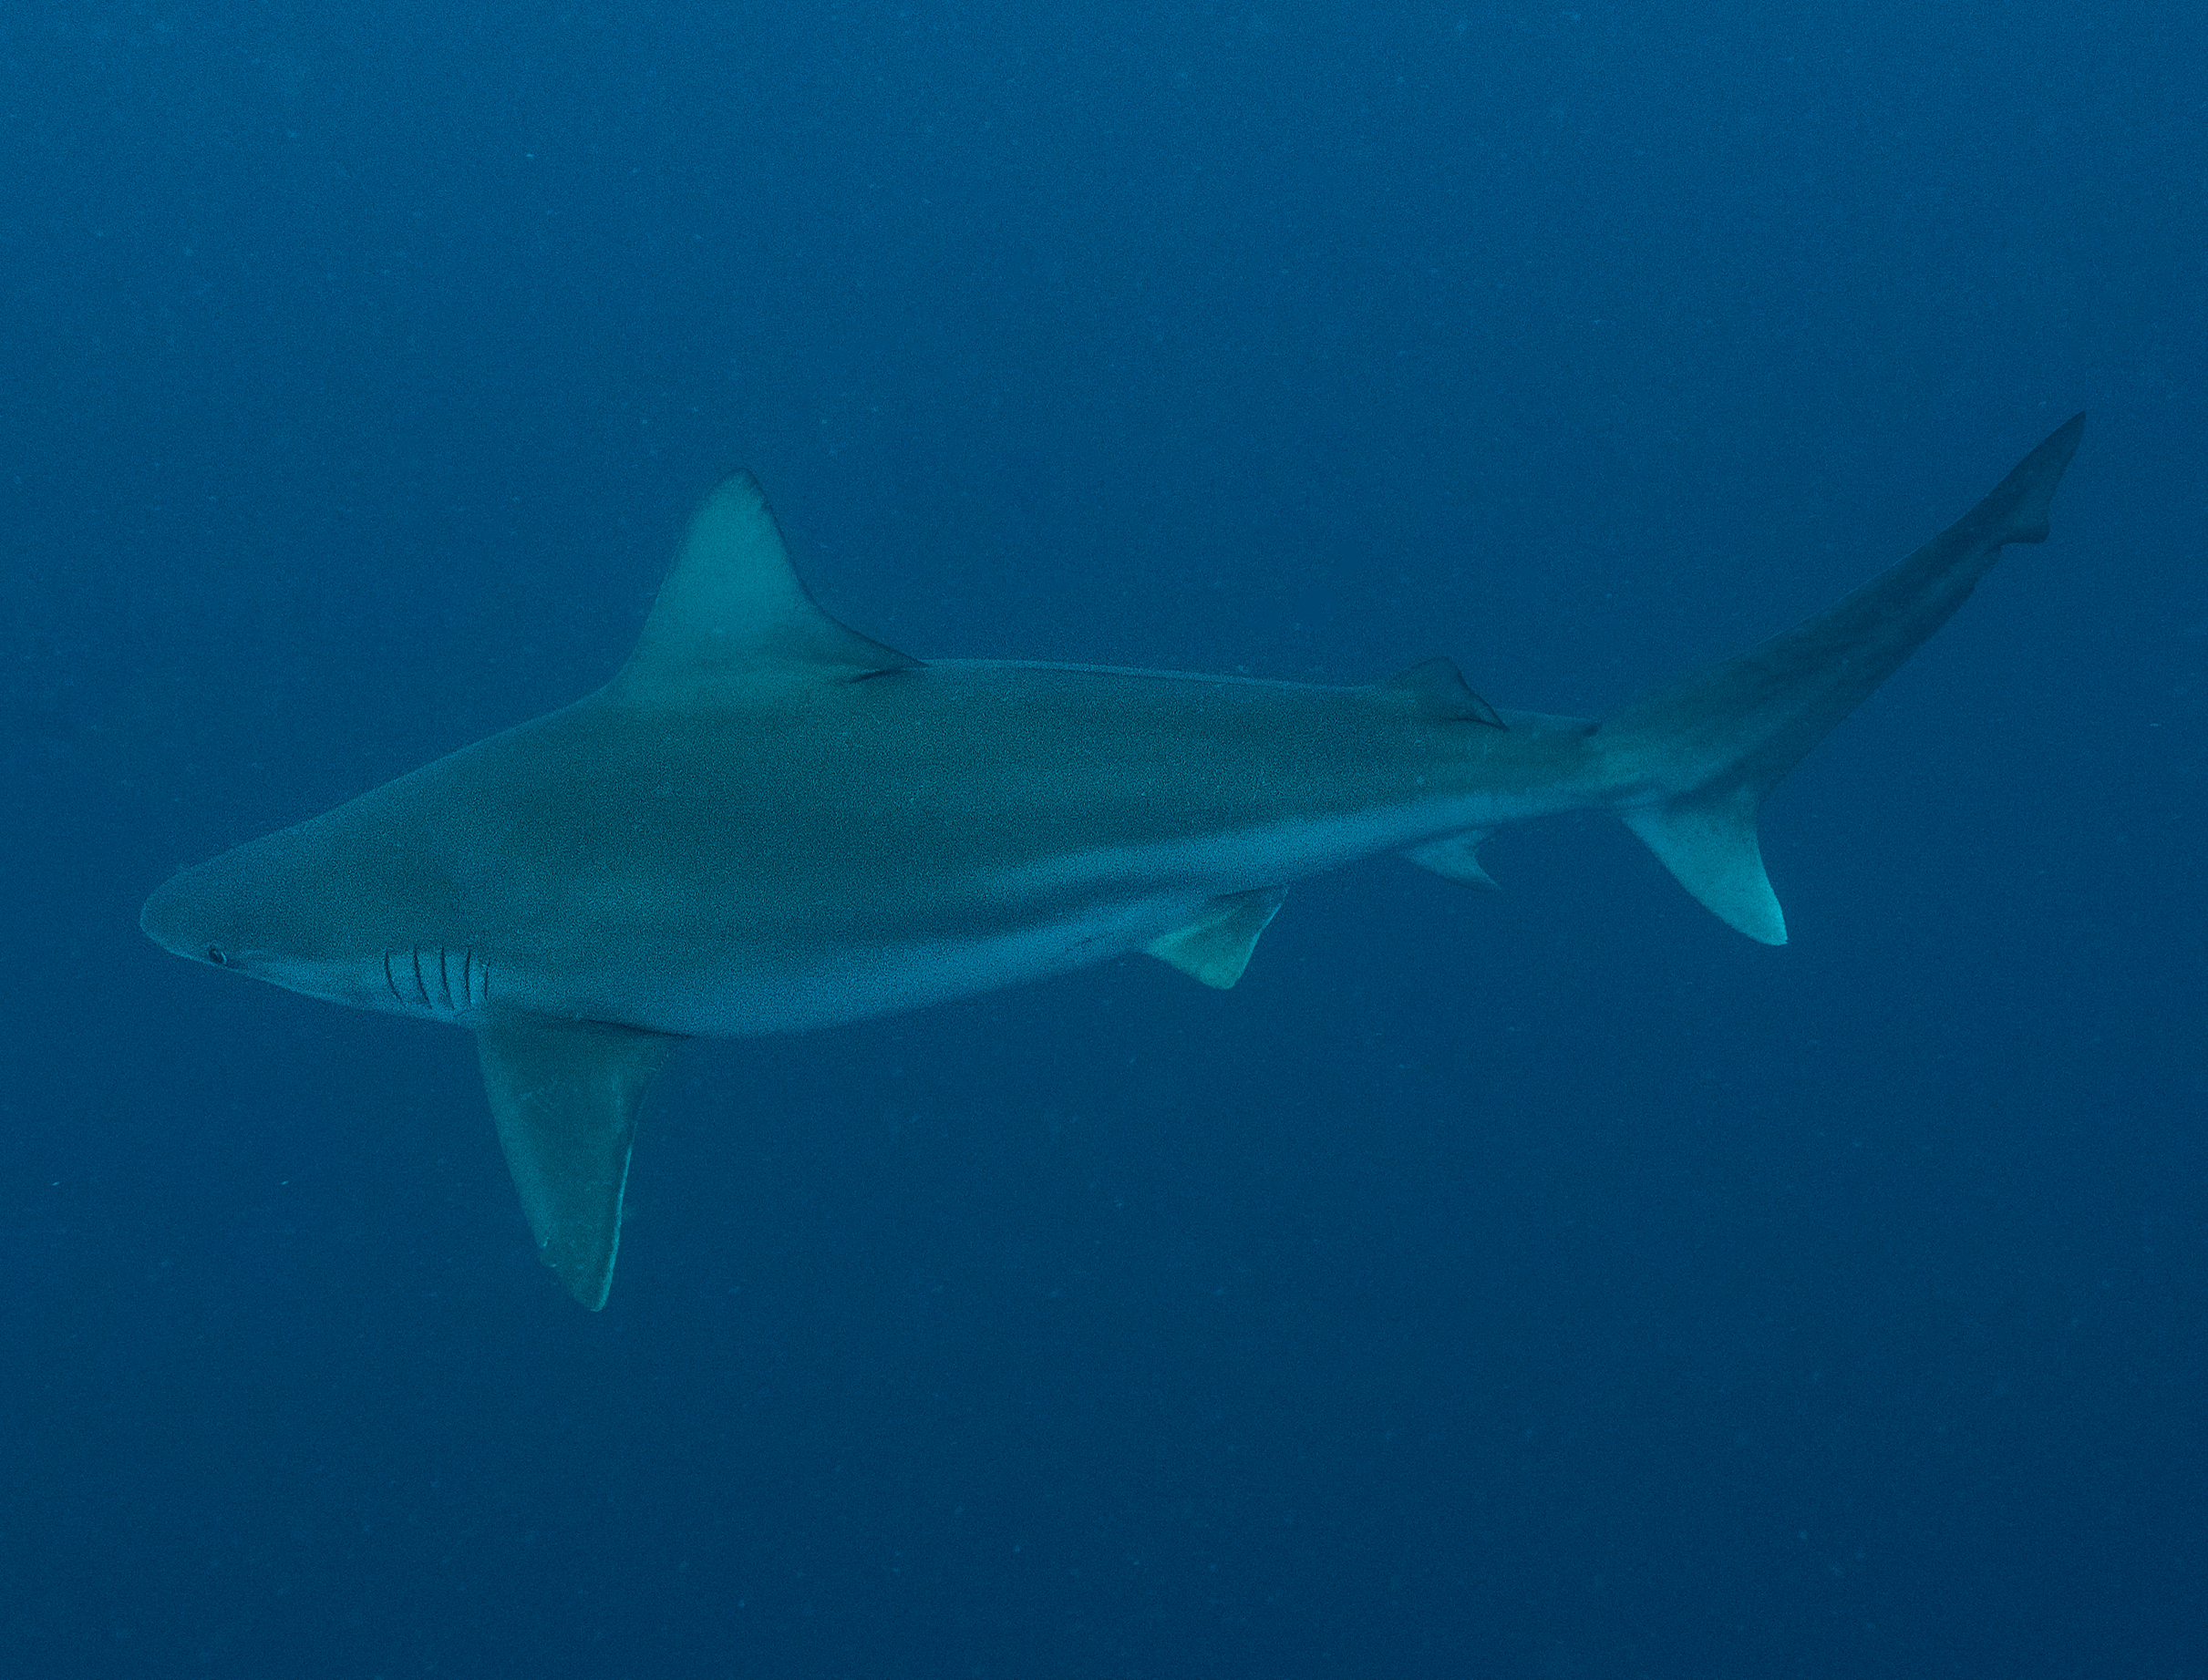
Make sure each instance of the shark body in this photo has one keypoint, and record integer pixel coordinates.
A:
(768, 821)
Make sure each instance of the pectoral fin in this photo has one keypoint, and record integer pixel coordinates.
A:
(565, 1094)
(1215, 947)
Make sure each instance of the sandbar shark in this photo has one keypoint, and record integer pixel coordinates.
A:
(767, 821)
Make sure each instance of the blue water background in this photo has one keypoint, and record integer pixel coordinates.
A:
(1548, 1283)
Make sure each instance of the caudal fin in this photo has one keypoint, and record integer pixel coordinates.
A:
(1694, 760)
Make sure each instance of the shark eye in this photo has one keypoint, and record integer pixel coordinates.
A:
(214, 955)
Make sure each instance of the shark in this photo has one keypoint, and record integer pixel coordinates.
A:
(768, 821)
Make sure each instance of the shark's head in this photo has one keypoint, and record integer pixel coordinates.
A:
(288, 908)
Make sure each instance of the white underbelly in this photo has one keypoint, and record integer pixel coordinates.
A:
(752, 996)
(1111, 901)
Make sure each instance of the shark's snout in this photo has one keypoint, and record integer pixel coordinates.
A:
(272, 909)
(205, 912)
(168, 919)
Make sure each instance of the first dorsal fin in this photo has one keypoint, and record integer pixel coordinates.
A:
(732, 614)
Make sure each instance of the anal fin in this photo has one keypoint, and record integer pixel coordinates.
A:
(1457, 856)
(1215, 947)
(565, 1095)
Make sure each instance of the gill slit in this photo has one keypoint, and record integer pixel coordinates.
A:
(444, 978)
(389, 980)
(419, 985)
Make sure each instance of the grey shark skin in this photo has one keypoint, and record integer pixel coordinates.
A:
(767, 822)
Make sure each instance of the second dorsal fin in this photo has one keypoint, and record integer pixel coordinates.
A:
(1444, 696)
(732, 614)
